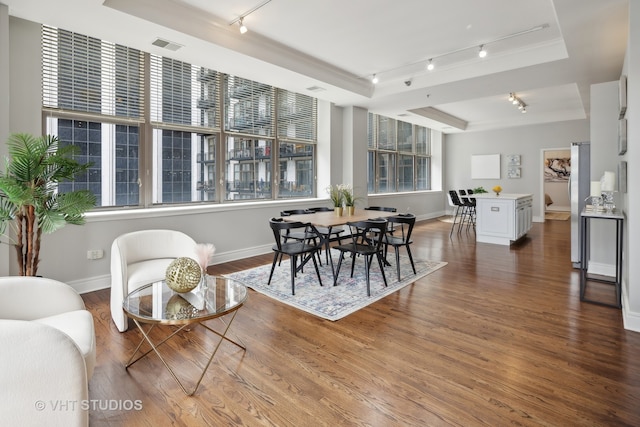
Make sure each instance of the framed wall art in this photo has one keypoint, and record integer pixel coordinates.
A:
(485, 166)
(622, 136)
(622, 95)
(622, 177)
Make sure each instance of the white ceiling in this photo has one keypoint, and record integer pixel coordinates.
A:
(338, 45)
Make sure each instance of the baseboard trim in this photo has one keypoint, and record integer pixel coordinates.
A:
(630, 319)
(96, 283)
(91, 284)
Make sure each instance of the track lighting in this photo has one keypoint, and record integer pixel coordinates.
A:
(240, 19)
(374, 79)
(428, 65)
(513, 98)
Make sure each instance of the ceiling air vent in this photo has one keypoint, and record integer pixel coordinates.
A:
(315, 89)
(166, 44)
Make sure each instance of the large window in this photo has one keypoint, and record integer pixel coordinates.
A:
(185, 115)
(207, 136)
(399, 156)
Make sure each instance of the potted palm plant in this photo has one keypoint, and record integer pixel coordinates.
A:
(30, 203)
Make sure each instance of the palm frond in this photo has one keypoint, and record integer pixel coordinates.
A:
(34, 167)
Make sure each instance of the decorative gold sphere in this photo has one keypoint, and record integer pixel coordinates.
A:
(183, 274)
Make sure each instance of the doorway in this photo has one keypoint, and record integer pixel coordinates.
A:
(555, 173)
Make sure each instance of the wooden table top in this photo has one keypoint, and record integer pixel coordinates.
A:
(330, 219)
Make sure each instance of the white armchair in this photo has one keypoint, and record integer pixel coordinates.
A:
(142, 257)
(43, 376)
(51, 303)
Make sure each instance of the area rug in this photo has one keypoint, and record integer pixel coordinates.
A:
(328, 301)
(558, 216)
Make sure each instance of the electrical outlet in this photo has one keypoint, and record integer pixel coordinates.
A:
(95, 254)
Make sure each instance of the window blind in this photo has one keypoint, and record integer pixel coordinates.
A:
(85, 74)
(184, 94)
(386, 133)
(297, 117)
(249, 107)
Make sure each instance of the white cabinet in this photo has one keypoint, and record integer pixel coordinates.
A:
(503, 219)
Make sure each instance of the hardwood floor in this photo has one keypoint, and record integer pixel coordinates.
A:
(497, 337)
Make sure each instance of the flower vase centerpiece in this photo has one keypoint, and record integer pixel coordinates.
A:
(204, 255)
(497, 189)
(337, 197)
(349, 199)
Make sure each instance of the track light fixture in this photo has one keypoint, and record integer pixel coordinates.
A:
(240, 19)
(374, 79)
(243, 28)
(430, 65)
(482, 52)
(513, 98)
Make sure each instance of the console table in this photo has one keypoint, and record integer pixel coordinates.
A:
(585, 218)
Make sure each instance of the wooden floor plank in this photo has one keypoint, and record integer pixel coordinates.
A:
(497, 337)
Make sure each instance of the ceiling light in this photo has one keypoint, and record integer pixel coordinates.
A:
(374, 79)
(239, 19)
(482, 52)
(430, 66)
(517, 101)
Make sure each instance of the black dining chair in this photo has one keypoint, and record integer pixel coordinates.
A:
(381, 208)
(332, 234)
(404, 227)
(390, 230)
(298, 251)
(299, 235)
(363, 244)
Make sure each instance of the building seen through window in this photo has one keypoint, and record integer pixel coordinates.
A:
(399, 156)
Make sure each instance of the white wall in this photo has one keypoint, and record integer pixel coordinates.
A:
(527, 141)
(604, 157)
(631, 200)
(4, 109)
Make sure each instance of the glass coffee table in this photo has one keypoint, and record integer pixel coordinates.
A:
(157, 304)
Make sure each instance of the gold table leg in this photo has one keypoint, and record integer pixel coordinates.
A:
(154, 348)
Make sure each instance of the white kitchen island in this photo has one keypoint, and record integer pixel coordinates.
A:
(502, 219)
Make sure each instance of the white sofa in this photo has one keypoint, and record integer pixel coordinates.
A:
(142, 257)
(43, 376)
(52, 303)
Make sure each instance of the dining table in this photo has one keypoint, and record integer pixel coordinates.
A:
(330, 219)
